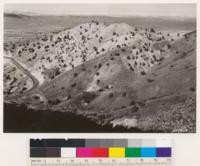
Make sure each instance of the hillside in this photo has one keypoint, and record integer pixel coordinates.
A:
(113, 74)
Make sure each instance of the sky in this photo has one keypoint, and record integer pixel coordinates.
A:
(178, 10)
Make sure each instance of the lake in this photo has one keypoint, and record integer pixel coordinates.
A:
(19, 119)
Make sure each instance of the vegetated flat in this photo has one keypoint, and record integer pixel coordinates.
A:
(133, 72)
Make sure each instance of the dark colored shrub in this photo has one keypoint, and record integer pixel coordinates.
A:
(192, 89)
(152, 30)
(111, 95)
(124, 94)
(132, 103)
(75, 74)
(31, 50)
(143, 73)
(150, 80)
(98, 81)
(73, 85)
(100, 65)
(117, 54)
(128, 57)
(88, 96)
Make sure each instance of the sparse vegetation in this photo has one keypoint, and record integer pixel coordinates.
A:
(101, 74)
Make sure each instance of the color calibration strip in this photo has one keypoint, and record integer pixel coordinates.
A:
(100, 148)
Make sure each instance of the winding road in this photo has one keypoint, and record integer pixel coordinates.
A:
(27, 73)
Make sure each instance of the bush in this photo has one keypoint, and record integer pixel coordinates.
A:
(143, 73)
(75, 74)
(117, 54)
(95, 48)
(45, 38)
(54, 102)
(46, 47)
(88, 96)
(152, 30)
(118, 46)
(73, 85)
(111, 95)
(150, 80)
(168, 46)
(52, 73)
(36, 97)
(31, 50)
(123, 107)
(124, 94)
(132, 103)
(98, 81)
(100, 65)
(192, 89)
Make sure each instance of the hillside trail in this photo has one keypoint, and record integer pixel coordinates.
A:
(28, 74)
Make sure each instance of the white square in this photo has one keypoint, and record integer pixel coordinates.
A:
(68, 152)
(163, 143)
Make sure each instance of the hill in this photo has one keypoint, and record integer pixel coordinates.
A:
(113, 74)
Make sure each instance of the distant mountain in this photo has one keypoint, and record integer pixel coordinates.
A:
(159, 23)
(15, 15)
